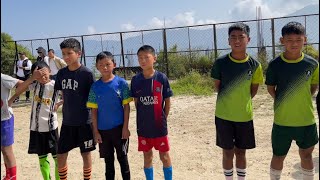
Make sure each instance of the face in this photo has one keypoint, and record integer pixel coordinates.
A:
(50, 54)
(105, 66)
(238, 40)
(70, 56)
(40, 54)
(22, 56)
(293, 43)
(146, 60)
(45, 78)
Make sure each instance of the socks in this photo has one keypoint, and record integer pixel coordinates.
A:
(56, 172)
(307, 174)
(167, 171)
(63, 172)
(149, 173)
(87, 173)
(241, 174)
(228, 174)
(275, 174)
(11, 173)
(44, 167)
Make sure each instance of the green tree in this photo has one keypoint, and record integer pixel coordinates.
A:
(8, 53)
(311, 51)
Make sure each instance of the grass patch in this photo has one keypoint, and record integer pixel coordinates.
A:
(193, 84)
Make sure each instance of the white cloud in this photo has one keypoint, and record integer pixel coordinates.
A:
(127, 27)
(181, 19)
(91, 30)
(246, 9)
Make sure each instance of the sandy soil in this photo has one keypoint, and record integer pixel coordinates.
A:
(193, 150)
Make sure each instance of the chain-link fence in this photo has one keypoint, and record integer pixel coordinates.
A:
(208, 40)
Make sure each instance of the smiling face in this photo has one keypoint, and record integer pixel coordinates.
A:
(146, 60)
(105, 66)
(238, 40)
(293, 43)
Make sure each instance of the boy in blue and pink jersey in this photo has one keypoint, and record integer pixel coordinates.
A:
(151, 92)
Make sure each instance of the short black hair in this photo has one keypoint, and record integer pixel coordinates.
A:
(104, 54)
(51, 50)
(146, 48)
(240, 26)
(71, 43)
(293, 27)
(39, 65)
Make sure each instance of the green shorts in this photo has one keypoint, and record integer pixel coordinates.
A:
(282, 136)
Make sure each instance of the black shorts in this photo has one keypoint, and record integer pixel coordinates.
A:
(111, 139)
(231, 134)
(42, 143)
(76, 136)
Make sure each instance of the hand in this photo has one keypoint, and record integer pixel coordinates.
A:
(21, 67)
(57, 105)
(10, 102)
(38, 73)
(125, 133)
(97, 137)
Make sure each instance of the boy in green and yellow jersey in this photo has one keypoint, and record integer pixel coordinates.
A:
(237, 77)
(292, 79)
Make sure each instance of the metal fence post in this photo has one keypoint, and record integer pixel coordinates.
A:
(273, 39)
(165, 52)
(83, 52)
(215, 42)
(122, 55)
(48, 46)
(190, 56)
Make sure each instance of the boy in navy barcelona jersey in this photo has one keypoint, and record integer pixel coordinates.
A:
(292, 79)
(237, 77)
(109, 99)
(74, 81)
(151, 92)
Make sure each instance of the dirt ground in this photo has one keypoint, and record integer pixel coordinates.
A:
(192, 138)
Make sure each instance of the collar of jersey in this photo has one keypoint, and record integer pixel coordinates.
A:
(238, 61)
(292, 61)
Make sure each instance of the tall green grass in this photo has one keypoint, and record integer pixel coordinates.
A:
(193, 84)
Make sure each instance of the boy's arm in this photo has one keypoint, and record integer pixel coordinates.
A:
(217, 84)
(254, 89)
(167, 106)
(272, 90)
(96, 133)
(125, 129)
(313, 88)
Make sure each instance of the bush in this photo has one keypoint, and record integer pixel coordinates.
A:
(193, 84)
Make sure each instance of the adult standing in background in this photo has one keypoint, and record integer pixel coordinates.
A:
(42, 55)
(23, 71)
(55, 64)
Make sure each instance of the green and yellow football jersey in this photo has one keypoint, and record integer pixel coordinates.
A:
(293, 79)
(234, 101)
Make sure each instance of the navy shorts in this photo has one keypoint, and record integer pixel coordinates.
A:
(7, 129)
(231, 134)
(76, 136)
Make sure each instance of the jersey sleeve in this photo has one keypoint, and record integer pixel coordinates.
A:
(132, 87)
(125, 93)
(271, 78)
(215, 71)
(167, 91)
(8, 81)
(57, 84)
(92, 102)
(258, 76)
(315, 76)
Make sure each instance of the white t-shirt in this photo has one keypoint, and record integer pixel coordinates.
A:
(7, 83)
(53, 66)
(43, 119)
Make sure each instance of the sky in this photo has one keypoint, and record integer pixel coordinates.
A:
(38, 19)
